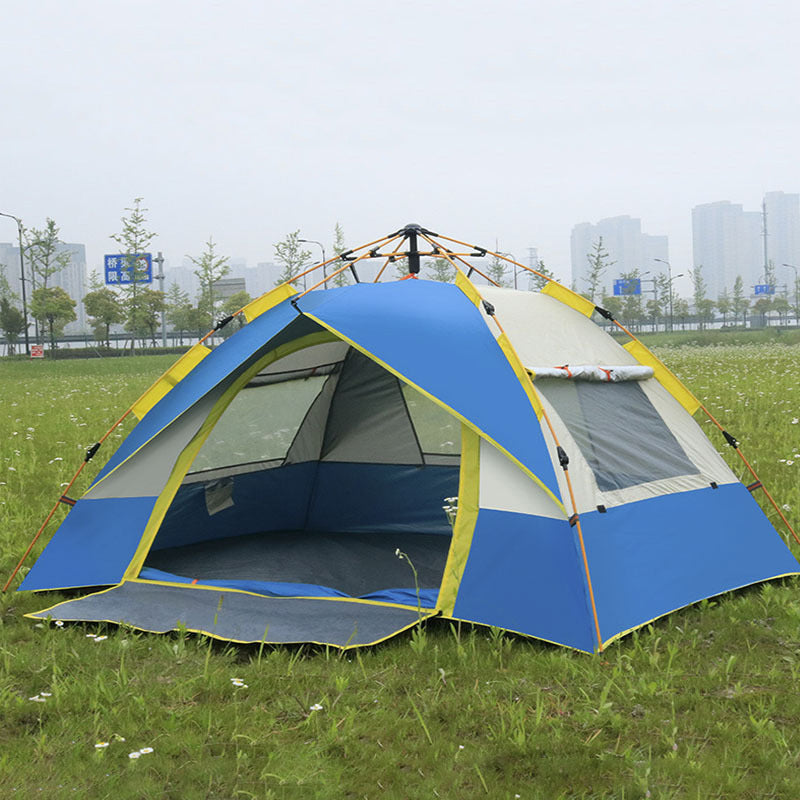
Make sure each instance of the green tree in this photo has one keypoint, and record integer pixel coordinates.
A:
(496, 270)
(440, 269)
(724, 305)
(134, 239)
(702, 308)
(12, 323)
(179, 310)
(538, 282)
(42, 253)
(740, 302)
(612, 304)
(339, 247)
(53, 306)
(230, 306)
(144, 321)
(780, 305)
(762, 307)
(631, 308)
(290, 254)
(104, 309)
(211, 267)
(681, 311)
(599, 261)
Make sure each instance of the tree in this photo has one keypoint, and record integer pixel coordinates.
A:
(612, 304)
(762, 307)
(230, 306)
(12, 323)
(702, 306)
(104, 309)
(179, 310)
(339, 247)
(632, 310)
(538, 282)
(497, 269)
(740, 302)
(724, 305)
(598, 263)
(290, 254)
(440, 269)
(144, 320)
(134, 239)
(681, 310)
(210, 268)
(42, 253)
(780, 305)
(52, 305)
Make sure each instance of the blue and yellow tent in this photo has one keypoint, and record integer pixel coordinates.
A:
(299, 482)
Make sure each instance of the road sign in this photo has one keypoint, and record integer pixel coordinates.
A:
(627, 286)
(764, 288)
(37, 351)
(119, 270)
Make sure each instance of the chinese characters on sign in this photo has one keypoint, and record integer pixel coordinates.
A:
(764, 288)
(123, 269)
(627, 286)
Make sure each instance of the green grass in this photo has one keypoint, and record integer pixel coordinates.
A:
(702, 704)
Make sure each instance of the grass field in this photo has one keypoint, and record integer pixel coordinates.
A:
(702, 704)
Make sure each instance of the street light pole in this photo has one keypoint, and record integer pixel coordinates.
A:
(321, 247)
(796, 287)
(21, 279)
(669, 285)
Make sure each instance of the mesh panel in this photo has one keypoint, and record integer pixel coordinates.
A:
(439, 433)
(259, 425)
(619, 433)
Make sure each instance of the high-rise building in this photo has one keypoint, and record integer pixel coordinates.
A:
(783, 233)
(628, 248)
(72, 278)
(726, 243)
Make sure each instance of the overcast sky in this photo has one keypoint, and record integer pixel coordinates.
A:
(482, 120)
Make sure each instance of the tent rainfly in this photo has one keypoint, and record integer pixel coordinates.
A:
(354, 460)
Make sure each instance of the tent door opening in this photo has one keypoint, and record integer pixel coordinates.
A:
(321, 469)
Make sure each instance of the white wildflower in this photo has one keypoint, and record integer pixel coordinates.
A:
(145, 750)
(316, 707)
(135, 754)
(101, 745)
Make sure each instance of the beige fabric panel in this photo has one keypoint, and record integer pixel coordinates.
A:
(546, 332)
(505, 487)
(146, 472)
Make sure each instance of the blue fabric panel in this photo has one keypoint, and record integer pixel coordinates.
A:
(405, 597)
(523, 574)
(361, 498)
(268, 588)
(269, 500)
(216, 367)
(93, 545)
(433, 335)
(408, 597)
(651, 557)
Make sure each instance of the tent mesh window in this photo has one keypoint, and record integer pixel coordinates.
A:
(619, 432)
(310, 482)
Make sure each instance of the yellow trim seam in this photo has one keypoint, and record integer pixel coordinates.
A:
(569, 298)
(466, 518)
(426, 614)
(522, 374)
(439, 403)
(188, 454)
(466, 286)
(174, 375)
(663, 375)
(267, 301)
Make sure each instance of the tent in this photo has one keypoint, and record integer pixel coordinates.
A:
(354, 460)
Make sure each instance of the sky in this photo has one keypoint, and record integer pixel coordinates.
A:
(492, 122)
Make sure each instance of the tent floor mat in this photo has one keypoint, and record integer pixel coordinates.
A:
(239, 617)
(353, 563)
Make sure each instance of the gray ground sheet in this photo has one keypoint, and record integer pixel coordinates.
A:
(239, 617)
(356, 564)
